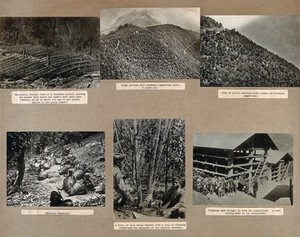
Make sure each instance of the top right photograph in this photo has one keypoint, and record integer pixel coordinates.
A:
(250, 51)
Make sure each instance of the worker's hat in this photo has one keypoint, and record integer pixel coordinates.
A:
(118, 156)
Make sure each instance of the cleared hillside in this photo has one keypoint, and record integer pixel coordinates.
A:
(49, 52)
(155, 52)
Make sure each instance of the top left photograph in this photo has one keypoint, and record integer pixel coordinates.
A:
(49, 52)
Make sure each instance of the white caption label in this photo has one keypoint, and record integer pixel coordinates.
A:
(215, 211)
(31, 212)
(150, 226)
(49, 97)
(150, 86)
(256, 94)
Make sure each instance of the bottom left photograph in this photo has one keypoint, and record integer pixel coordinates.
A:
(55, 169)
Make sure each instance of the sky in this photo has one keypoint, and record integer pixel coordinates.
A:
(279, 34)
(236, 22)
(187, 18)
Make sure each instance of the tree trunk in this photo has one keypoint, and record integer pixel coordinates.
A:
(149, 196)
(162, 137)
(21, 168)
(92, 45)
(166, 173)
(21, 172)
(137, 155)
(152, 166)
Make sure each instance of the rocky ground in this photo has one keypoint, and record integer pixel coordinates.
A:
(36, 193)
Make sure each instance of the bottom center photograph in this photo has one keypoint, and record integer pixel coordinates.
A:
(149, 168)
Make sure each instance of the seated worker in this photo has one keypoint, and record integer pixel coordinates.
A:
(175, 200)
(121, 190)
(69, 181)
(88, 184)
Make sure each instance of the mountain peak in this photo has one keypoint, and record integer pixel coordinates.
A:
(208, 23)
(135, 17)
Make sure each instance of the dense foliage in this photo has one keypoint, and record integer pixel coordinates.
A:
(230, 59)
(67, 32)
(21, 145)
(155, 153)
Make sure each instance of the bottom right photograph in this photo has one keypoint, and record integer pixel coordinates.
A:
(242, 169)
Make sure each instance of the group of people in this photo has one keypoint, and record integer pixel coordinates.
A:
(172, 205)
(221, 186)
(74, 186)
(76, 182)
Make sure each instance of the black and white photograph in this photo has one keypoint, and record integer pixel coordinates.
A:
(149, 169)
(49, 52)
(250, 51)
(150, 43)
(55, 169)
(243, 169)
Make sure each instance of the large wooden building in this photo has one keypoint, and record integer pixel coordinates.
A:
(279, 165)
(232, 155)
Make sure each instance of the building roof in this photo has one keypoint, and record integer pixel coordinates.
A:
(232, 141)
(278, 192)
(283, 141)
(220, 140)
(275, 156)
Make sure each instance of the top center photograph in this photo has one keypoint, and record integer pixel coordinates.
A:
(150, 43)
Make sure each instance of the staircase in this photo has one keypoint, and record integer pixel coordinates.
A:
(260, 168)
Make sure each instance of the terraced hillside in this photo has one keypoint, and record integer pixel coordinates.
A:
(65, 55)
(230, 59)
(154, 52)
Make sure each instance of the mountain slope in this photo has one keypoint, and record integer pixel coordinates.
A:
(230, 59)
(279, 34)
(73, 33)
(49, 52)
(156, 52)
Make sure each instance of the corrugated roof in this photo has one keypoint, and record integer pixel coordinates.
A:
(278, 192)
(231, 141)
(228, 141)
(284, 141)
(275, 156)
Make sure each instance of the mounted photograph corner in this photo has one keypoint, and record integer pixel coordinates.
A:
(243, 169)
(149, 169)
(150, 43)
(250, 51)
(49, 52)
(56, 169)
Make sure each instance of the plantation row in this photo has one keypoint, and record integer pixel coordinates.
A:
(147, 53)
(36, 62)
